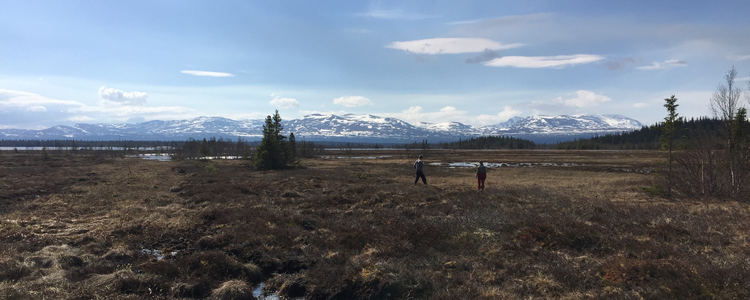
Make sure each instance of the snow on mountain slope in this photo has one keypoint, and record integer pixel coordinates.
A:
(565, 124)
(333, 127)
(349, 125)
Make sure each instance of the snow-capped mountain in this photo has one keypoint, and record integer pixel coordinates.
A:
(564, 124)
(349, 127)
(197, 128)
(447, 127)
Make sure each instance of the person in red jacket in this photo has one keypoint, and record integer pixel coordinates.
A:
(481, 175)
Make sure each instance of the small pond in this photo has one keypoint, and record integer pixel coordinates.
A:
(504, 165)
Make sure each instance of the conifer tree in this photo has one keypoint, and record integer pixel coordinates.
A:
(273, 151)
(204, 149)
(667, 137)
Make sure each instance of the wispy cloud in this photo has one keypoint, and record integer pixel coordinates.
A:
(25, 106)
(640, 105)
(581, 101)
(122, 98)
(739, 57)
(621, 64)
(672, 63)
(393, 14)
(558, 61)
(80, 119)
(11, 100)
(500, 26)
(36, 108)
(450, 45)
(467, 22)
(207, 73)
(352, 101)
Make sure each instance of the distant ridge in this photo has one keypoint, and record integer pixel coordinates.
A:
(350, 127)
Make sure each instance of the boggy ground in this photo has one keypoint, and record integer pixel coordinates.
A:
(357, 228)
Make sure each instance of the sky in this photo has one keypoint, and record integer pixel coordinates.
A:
(474, 62)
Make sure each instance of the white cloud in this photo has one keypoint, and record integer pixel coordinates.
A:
(123, 98)
(450, 45)
(543, 61)
(585, 99)
(244, 116)
(446, 114)
(322, 112)
(129, 111)
(664, 65)
(739, 57)
(393, 14)
(352, 101)
(50, 112)
(285, 102)
(507, 113)
(640, 105)
(10, 99)
(36, 108)
(207, 73)
(579, 102)
(80, 119)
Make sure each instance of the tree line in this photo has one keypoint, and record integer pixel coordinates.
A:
(489, 142)
(646, 138)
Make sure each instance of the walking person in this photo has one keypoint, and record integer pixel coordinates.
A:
(419, 166)
(481, 175)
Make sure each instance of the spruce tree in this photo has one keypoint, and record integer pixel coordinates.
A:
(204, 149)
(667, 137)
(273, 151)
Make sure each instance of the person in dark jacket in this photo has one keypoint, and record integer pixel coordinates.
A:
(481, 175)
(419, 166)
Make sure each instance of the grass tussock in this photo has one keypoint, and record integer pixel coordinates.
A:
(359, 229)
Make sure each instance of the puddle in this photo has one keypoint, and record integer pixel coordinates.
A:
(39, 148)
(154, 156)
(168, 157)
(258, 293)
(626, 170)
(354, 157)
(504, 165)
(156, 253)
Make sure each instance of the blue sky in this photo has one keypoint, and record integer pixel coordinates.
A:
(475, 62)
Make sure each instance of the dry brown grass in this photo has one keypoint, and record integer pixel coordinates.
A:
(354, 228)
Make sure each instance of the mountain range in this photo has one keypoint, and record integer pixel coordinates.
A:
(345, 128)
